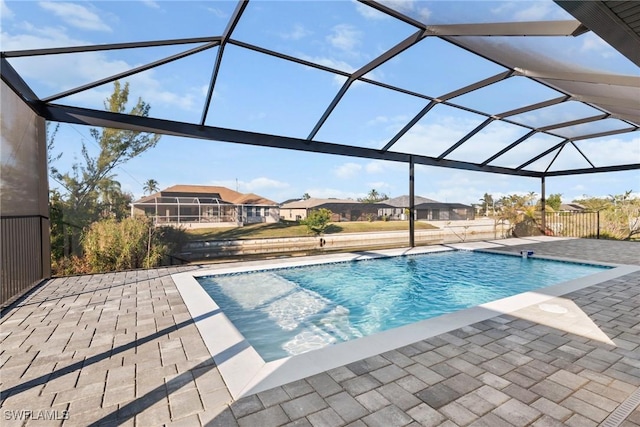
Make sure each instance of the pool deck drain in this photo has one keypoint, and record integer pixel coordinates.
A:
(122, 349)
(617, 417)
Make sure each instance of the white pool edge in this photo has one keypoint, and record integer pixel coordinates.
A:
(245, 372)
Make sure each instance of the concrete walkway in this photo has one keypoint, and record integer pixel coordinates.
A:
(122, 349)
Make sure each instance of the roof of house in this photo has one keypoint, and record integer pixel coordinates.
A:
(403, 201)
(572, 207)
(209, 191)
(437, 205)
(313, 203)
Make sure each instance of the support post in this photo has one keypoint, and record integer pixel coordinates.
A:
(543, 203)
(412, 225)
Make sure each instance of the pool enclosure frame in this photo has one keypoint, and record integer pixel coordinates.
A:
(614, 22)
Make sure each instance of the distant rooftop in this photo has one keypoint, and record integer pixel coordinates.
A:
(403, 201)
(208, 191)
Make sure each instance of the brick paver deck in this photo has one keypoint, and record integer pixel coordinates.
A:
(122, 349)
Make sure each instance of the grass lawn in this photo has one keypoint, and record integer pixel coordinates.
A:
(292, 229)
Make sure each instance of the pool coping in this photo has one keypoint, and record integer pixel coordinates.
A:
(246, 373)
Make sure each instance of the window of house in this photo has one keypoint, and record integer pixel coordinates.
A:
(249, 211)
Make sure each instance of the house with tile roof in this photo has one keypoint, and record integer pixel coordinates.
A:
(200, 206)
(426, 209)
(341, 209)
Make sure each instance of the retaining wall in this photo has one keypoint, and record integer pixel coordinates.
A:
(450, 232)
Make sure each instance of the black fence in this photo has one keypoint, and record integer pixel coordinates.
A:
(21, 255)
(573, 224)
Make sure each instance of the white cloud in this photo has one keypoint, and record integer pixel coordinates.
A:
(76, 15)
(217, 12)
(592, 43)
(74, 70)
(344, 37)
(369, 12)
(611, 151)
(151, 3)
(536, 12)
(376, 166)
(296, 33)
(333, 193)
(256, 185)
(433, 138)
(347, 170)
(378, 120)
(5, 12)
(407, 7)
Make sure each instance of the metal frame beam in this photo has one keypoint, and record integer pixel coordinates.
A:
(533, 107)
(507, 29)
(475, 86)
(409, 125)
(581, 153)
(112, 46)
(235, 18)
(601, 134)
(594, 78)
(77, 115)
(554, 158)
(395, 50)
(329, 109)
(509, 147)
(466, 137)
(574, 122)
(131, 72)
(541, 155)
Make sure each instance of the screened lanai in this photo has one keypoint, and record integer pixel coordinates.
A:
(526, 89)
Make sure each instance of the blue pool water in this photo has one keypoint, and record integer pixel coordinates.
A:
(289, 311)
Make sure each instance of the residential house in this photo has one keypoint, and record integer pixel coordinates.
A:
(426, 209)
(197, 206)
(342, 210)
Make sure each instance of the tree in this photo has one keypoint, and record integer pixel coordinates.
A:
(517, 209)
(373, 197)
(91, 189)
(486, 201)
(317, 221)
(150, 186)
(554, 201)
(306, 196)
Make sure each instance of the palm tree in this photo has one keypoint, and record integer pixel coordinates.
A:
(150, 186)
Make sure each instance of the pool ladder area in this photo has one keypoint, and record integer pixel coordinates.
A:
(526, 254)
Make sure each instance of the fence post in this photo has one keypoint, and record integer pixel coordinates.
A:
(598, 224)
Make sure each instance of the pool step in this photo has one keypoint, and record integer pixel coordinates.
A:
(317, 321)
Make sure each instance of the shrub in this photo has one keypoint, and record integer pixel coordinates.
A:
(111, 245)
(317, 221)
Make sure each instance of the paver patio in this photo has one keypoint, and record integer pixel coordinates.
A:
(122, 349)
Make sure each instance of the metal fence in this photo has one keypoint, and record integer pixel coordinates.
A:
(573, 224)
(21, 255)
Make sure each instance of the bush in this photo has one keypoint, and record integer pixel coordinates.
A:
(111, 245)
(317, 221)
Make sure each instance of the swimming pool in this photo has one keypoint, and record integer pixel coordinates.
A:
(245, 372)
(289, 311)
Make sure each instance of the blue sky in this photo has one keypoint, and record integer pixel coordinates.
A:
(259, 93)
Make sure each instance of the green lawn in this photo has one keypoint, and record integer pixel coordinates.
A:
(292, 229)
